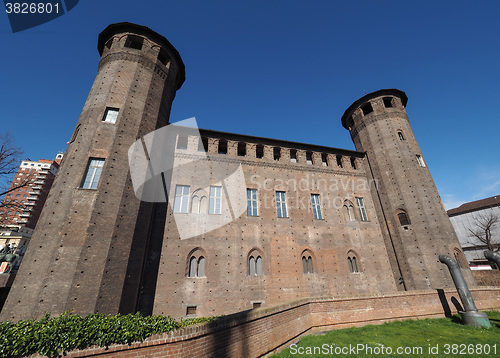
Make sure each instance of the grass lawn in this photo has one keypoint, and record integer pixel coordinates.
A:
(442, 337)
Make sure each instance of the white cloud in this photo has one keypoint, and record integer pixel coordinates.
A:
(488, 190)
(450, 201)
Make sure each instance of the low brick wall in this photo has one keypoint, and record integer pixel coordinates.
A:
(257, 332)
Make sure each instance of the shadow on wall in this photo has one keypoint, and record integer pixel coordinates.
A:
(446, 306)
(151, 263)
(444, 303)
(227, 340)
(4, 292)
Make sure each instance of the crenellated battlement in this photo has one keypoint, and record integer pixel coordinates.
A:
(270, 151)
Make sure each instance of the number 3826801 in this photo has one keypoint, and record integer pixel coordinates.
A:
(31, 8)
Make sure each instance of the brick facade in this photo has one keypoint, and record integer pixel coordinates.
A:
(101, 249)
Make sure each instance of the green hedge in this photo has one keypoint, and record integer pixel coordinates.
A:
(52, 336)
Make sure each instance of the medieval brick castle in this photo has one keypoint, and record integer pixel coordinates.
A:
(318, 221)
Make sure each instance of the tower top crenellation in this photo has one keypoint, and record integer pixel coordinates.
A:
(140, 31)
(392, 92)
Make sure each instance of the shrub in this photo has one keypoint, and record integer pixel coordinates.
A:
(52, 336)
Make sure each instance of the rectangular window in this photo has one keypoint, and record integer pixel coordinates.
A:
(181, 199)
(316, 207)
(190, 310)
(215, 200)
(281, 204)
(93, 173)
(182, 142)
(252, 202)
(110, 115)
(420, 161)
(362, 209)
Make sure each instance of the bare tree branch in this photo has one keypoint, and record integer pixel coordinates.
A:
(27, 181)
(10, 155)
(484, 223)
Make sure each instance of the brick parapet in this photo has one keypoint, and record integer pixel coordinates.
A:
(257, 332)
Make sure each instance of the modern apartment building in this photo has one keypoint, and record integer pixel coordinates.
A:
(28, 191)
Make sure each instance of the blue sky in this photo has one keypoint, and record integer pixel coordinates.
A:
(286, 70)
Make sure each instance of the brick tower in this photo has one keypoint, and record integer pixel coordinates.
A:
(412, 217)
(88, 252)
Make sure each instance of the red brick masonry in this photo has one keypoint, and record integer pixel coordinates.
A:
(257, 332)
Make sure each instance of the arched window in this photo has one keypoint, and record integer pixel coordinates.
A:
(200, 271)
(255, 264)
(401, 136)
(353, 263)
(258, 266)
(193, 267)
(403, 218)
(307, 262)
(310, 265)
(353, 266)
(195, 204)
(199, 202)
(251, 266)
(196, 264)
(203, 205)
(349, 211)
